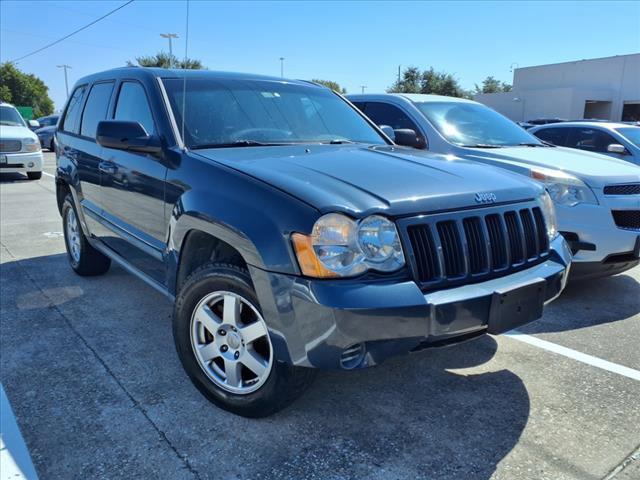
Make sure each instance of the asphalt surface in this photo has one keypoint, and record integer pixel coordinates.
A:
(90, 369)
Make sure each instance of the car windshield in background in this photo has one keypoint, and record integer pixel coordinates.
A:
(472, 125)
(255, 113)
(630, 133)
(9, 116)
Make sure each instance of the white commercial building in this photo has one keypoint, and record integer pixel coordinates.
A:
(604, 88)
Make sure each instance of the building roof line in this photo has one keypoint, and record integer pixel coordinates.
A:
(578, 61)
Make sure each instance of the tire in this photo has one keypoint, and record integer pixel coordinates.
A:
(85, 260)
(34, 175)
(275, 389)
(52, 146)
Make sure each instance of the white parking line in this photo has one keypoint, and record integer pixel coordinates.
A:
(575, 355)
(48, 175)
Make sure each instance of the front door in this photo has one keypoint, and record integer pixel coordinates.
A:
(132, 191)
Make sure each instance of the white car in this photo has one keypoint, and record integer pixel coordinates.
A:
(20, 150)
(597, 197)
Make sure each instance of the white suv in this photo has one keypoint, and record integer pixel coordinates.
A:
(20, 150)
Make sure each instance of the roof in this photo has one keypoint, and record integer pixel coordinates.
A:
(412, 97)
(151, 73)
(605, 125)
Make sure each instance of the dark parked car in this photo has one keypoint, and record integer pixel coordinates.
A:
(544, 121)
(289, 230)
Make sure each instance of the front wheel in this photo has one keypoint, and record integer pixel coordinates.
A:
(224, 345)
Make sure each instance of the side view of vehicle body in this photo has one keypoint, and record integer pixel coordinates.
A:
(264, 208)
(617, 140)
(20, 150)
(597, 198)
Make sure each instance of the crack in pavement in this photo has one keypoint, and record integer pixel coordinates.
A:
(137, 405)
(633, 457)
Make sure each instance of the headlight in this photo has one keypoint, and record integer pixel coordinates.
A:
(341, 247)
(31, 144)
(564, 189)
(549, 214)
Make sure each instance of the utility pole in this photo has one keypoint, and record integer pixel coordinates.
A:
(363, 87)
(170, 36)
(66, 80)
(399, 74)
(282, 66)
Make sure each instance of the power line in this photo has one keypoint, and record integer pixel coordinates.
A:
(72, 33)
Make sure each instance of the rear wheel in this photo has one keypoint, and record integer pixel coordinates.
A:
(34, 175)
(224, 345)
(83, 258)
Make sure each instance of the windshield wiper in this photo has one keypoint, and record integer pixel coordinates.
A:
(237, 143)
(531, 144)
(338, 141)
(482, 145)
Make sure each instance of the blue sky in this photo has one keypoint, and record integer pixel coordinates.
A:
(353, 43)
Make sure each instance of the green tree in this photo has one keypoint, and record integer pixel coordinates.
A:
(491, 85)
(164, 60)
(428, 81)
(24, 90)
(332, 85)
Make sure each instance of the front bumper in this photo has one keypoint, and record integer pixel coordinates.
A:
(313, 322)
(21, 162)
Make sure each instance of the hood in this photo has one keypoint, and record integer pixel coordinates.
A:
(361, 180)
(15, 133)
(49, 129)
(592, 168)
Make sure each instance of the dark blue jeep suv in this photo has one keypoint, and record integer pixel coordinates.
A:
(288, 229)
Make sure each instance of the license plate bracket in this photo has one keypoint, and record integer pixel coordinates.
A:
(514, 307)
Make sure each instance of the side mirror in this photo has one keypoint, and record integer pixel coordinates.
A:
(388, 131)
(33, 124)
(617, 148)
(409, 138)
(126, 136)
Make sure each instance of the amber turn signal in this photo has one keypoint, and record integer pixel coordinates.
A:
(307, 259)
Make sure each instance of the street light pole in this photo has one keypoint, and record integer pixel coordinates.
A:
(363, 87)
(282, 66)
(169, 36)
(66, 80)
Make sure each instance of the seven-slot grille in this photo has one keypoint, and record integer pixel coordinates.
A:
(623, 189)
(10, 146)
(476, 245)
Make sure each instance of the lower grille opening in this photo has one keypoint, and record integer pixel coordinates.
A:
(629, 219)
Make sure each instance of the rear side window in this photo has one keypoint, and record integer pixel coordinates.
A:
(556, 136)
(385, 114)
(590, 139)
(133, 106)
(71, 122)
(95, 109)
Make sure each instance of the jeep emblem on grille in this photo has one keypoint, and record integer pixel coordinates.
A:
(485, 197)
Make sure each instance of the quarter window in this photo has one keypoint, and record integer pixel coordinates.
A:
(133, 106)
(96, 108)
(71, 122)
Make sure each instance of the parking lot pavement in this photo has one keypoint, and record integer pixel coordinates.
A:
(90, 369)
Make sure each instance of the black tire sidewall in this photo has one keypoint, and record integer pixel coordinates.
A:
(263, 401)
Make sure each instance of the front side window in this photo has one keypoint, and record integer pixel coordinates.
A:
(133, 106)
(389, 115)
(235, 113)
(96, 108)
(474, 125)
(10, 117)
(630, 133)
(557, 136)
(71, 122)
(590, 139)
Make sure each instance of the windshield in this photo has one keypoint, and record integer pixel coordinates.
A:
(9, 116)
(261, 112)
(630, 133)
(471, 125)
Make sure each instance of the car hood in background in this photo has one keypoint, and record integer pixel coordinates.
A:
(15, 133)
(46, 130)
(594, 169)
(360, 179)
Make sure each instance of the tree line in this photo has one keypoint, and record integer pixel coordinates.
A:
(25, 89)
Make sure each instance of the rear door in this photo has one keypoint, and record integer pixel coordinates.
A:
(132, 188)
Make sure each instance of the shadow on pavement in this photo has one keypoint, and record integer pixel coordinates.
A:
(99, 392)
(13, 178)
(581, 305)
